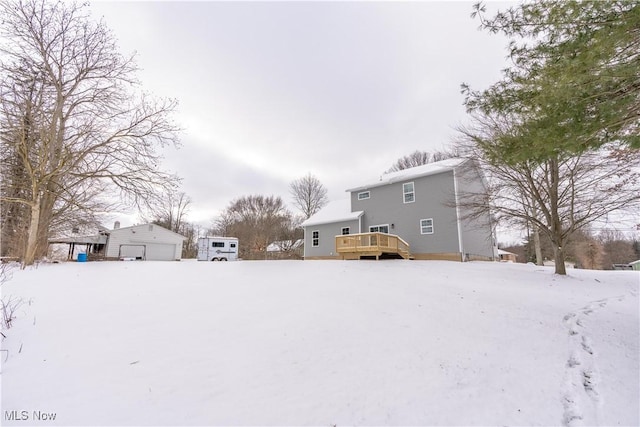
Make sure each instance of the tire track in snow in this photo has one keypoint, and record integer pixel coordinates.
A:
(580, 396)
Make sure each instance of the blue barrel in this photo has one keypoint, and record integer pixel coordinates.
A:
(82, 257)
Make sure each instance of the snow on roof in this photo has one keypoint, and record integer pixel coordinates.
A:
(503, 252)
(338, 210)
(121, 229)
(415, 172)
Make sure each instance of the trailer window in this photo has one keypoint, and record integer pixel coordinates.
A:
(217, 244)
(233, 245)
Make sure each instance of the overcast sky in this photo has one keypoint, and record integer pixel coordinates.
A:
(270, 91)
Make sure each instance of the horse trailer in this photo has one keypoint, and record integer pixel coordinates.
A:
(217, 249)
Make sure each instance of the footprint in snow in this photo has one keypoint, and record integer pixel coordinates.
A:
(586, 345)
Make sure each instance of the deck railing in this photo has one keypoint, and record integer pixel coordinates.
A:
(371, 244)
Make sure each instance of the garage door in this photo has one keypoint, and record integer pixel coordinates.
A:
(161, 252)
(131, 251)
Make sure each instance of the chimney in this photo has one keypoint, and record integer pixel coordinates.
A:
(116, 225)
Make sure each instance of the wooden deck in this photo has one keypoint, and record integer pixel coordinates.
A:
(356, 246)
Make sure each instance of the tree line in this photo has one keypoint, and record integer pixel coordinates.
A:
(586, 249)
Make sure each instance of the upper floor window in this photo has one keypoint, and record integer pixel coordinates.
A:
(408, 192)
(426, 226)
(364, 195)
(315, 238)
(345, 231)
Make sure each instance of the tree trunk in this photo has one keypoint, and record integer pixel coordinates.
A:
(536, 244)
(32, 239)
(556, 222)
(558, 255)
(46, 212)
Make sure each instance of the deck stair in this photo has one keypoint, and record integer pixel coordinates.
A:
(369, 245)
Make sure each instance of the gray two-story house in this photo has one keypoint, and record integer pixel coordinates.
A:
(420, 205)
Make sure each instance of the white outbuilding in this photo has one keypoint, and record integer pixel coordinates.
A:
(144, 242)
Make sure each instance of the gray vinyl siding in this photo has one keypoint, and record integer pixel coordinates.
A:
(327, 237)
(477, 234)
(434, 197)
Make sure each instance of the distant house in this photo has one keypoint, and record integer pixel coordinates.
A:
(285, 249)
(149, 242)
(506, 256)
(420, 205)
(635, 265)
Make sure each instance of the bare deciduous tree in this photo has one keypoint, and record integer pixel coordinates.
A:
(256, 221)
(74, 120)
(559, 195)
(171, 212)
(309, 195)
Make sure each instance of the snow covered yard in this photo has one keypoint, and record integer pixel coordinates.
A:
(321, 343)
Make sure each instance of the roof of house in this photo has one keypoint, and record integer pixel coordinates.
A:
(335, 211)
(411, 173)
(503, 252)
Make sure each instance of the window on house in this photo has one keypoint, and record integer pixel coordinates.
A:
(384, 228)
(345, 230)
(426, 226)
(217, 244)
(364, 195)
(315, 238)
(408, 192)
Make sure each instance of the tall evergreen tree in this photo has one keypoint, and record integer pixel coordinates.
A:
(575, 79)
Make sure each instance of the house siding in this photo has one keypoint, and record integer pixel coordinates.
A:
(157, 241)
(327, 238)
(477, 233)
(434, 198)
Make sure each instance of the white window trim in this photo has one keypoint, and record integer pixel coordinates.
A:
(348, 231)
(378, 225)
(404, 193)
(368, 193)
(315, 242)
(422, 227)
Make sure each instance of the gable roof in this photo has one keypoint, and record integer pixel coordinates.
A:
(336, 211)
(412, 173)
(118, 230)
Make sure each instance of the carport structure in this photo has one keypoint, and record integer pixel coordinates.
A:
(93, 245)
